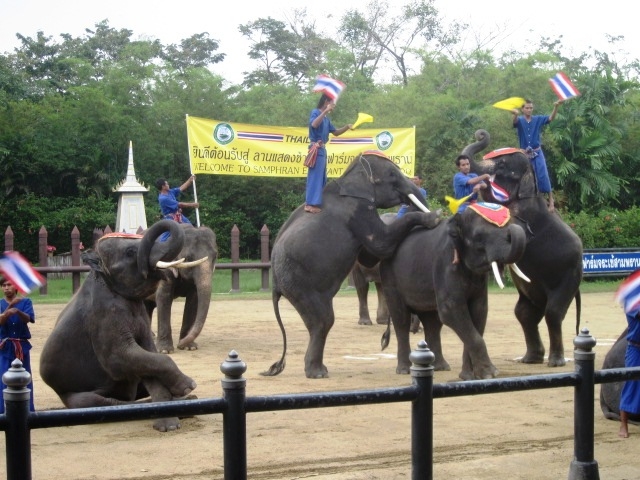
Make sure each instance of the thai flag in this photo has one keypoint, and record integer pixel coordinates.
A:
(499, 193)
(19, 271)
(563, 87)
(628, 294)
(330, 87)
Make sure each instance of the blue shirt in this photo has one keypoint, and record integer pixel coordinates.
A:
(323, 130)
(462, 188)
(529, 132)
(14, 327)
(404, 207)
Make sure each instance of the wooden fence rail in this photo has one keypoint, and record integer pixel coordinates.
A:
(70, 264)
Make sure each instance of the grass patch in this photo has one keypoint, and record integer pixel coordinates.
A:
(60, 290)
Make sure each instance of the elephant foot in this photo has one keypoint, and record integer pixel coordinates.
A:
(365, 321)
(321, 372)
(183, 387)
(382, 321)
(167, 424)
(167, 350)
(557, 360)
(479, 373)
(403, 369)
(189, 346)
(532, 358)
(441, 365)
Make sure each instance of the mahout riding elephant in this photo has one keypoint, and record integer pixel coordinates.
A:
(552, 259)
(422, 279)
(610, 392)
(194, 284)
(101, 350)
(313, 253)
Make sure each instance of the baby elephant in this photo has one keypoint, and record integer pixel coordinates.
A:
(101, 351)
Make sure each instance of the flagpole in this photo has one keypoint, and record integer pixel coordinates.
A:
(195, 193)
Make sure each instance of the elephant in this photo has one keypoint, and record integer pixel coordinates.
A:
(552, 259)
(194, 284)
(313, 253)
(610, 392)
(362, 276)
(421, 278)
(101, 350)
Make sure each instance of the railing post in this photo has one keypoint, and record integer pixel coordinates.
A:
(584, 466)
(234, 418)
(17, 435)
(422, 413)
(42, 254)
(75, 257)
(235, 258)
(264, 257)
(8, 239)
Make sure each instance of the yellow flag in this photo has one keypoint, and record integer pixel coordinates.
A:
(454, 204)
(362, 118)
(510, 103)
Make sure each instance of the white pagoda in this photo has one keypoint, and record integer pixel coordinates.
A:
(131, 215)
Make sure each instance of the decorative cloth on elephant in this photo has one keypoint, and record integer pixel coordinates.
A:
(120, 235)
(492, 212)
(501, 151)
(377, 153)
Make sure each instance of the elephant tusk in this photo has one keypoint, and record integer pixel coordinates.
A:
(192, 264)
(162, 264)
(418, 204)
(519, 272)
(496, 274)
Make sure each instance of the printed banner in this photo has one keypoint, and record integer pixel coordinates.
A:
(226, 148)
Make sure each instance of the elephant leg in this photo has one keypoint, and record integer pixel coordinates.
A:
(382, 315)
(415, 323)
(164, 300)
(401, 319)
(476, 363)
(554, 315)
(318, 316)
(529, 317)
(432, 335)
(188, 319)
(362, 289)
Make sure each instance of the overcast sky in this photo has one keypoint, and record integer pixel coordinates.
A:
(582, 25)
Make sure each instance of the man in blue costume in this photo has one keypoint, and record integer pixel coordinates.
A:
(168, 197)
(17, 313)
(320, 127)
(467, 183)
(529, 128)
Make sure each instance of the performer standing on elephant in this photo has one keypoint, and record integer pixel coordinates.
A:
(529, 128)
(319, 128)
(170, 207)
(17, 313)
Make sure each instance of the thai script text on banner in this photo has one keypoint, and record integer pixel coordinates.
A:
(226, 148)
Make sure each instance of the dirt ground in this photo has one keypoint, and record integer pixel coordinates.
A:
(522, 435)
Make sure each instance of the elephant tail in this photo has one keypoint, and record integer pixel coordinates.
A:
(578, 308)
(278, 367)
(386, 336)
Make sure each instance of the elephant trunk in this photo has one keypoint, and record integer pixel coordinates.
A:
(204, 299)
(482, 141)
(151, 252)
(518, 243)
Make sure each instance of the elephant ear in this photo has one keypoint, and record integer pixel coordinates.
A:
(528, 187)
(92, 259)
(355, 183)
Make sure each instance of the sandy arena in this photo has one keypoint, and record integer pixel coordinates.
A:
(523, 435)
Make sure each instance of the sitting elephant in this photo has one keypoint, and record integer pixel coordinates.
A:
(552, 259)
(421, 278)
(193, 283)
(610, 392)
(101, 350)
(313, 253)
